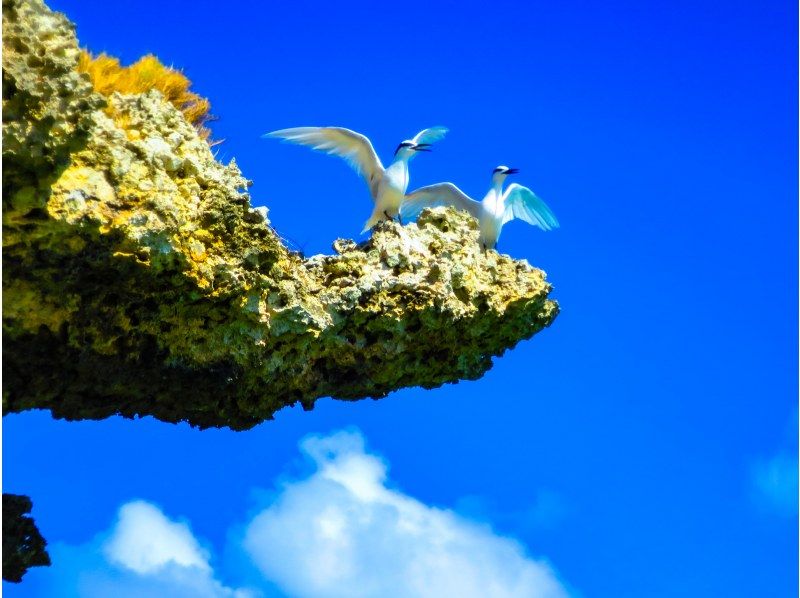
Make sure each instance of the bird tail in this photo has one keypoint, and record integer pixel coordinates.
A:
(373, 220)
(377, 216)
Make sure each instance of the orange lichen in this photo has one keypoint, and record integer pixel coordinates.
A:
(108, 75)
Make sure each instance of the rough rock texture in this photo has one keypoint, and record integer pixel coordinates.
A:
(23, 545)
(138, 280)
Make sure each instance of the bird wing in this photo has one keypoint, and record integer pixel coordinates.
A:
(431, 135)
(356, 149)
(440, 194)
(523, 203)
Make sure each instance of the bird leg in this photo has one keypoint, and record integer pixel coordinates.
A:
(390, 219)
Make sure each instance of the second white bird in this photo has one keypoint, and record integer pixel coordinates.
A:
(497, 208)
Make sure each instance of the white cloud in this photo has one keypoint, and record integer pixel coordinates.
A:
(144, 554)
(145, 541)
(344, 532)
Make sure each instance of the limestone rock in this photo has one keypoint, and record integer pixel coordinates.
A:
(138, 279)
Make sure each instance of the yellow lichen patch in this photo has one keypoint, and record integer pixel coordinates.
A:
(200, 273)
(109, 76)
(205, 236)
(76, 189)
(197, 250)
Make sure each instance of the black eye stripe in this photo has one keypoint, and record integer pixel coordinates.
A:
(402, 145)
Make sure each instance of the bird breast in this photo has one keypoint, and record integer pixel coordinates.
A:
(396, 177)
(493, 205)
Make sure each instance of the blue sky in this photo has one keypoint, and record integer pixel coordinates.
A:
(644, 445)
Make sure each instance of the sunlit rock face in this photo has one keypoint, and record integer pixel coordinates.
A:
(139, 280)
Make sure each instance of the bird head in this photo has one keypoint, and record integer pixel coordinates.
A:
(408, 148)
(500, 173)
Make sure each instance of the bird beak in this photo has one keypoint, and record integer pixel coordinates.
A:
(422, 147)
(512, 171)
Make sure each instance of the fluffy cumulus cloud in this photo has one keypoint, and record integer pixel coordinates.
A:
(343, 532)
(144, 554)
(145, 541)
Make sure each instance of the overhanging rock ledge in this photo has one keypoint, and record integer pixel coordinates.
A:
(138, 280)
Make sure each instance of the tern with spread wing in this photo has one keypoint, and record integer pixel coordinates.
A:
(386, 185)
(497, 208)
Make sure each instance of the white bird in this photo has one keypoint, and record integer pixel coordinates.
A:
(386, 185)
(497, 208)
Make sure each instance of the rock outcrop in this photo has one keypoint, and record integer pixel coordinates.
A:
(138, 279)
(23, 545)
